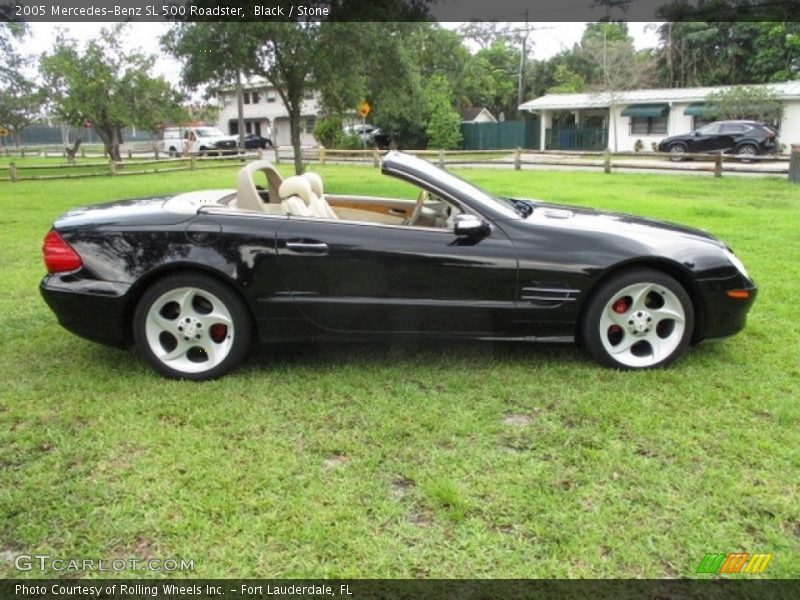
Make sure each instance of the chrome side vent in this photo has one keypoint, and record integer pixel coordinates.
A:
(550, 296)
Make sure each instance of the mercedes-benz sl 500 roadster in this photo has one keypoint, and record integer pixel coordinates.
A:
(193, 279)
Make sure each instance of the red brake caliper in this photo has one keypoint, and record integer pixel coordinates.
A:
(619, 307)
(218, 332)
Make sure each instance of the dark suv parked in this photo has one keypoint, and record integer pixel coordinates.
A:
(749, 138)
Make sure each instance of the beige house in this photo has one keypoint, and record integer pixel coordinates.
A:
(265, 114)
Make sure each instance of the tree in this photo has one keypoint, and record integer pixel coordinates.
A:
(720, 53)
(108, 87)
(745, 102)
(20, 103)
(443, 123)
(620, 68)
(566, 81)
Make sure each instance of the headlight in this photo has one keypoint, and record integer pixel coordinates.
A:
(736, 263)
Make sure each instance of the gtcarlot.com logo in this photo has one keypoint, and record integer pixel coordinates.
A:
(734, 562)
(45, 562)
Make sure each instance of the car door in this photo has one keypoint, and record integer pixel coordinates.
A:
(362, 277)
(732, 134)
(706, 139)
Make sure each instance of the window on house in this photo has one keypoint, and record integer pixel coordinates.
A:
(255, 97)
(648, 125)
(700, 122)
(309, 95)
(310, 124)
(246, 97)
(271, 97)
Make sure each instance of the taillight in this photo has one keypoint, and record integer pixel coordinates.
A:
(58, 254)
(770, 135)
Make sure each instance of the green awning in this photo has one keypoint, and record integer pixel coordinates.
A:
(646, 110)
(696, 109)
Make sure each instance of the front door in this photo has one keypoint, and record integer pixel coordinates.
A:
(364, 277)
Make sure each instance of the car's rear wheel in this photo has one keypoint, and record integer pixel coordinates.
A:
(747, 151)
(639, 319)
(677, 152)
(191, 326)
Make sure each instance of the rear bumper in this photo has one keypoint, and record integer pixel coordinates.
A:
(95, 310)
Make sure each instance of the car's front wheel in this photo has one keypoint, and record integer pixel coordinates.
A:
(677, 152)
(638, 319)
(191, 326)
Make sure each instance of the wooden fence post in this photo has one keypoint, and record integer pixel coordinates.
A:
(322, 155)
(83, 153)
(155, 152)
(12, 171)
(130, 153)
(517, 159)
(607, 161)
(112, 167)
(376, 160)
(718, 164)
(441, 158)
(277, 156)
(191, 162)
(794, 164)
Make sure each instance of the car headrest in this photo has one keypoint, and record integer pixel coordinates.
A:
(295, 186)
(315, 181)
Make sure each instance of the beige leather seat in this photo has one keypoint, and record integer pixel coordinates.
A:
(319, 206)
(295, 193)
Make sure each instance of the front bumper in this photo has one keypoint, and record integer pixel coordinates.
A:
(724, 316)
(92, 309)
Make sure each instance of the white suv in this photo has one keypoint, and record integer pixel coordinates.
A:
(197, 140)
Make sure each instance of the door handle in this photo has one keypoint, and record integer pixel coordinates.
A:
(397, 212)
(308, 247)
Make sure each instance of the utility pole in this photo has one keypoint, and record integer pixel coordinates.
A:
(240, 108)
(521, 81)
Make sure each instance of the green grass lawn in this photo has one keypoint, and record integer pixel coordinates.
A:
(397, 460)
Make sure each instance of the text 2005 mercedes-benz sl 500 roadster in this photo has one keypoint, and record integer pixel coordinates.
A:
(193, 279)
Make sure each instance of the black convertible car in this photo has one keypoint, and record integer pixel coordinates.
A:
(192, 279)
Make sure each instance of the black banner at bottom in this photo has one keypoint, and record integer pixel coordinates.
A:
(398, 589)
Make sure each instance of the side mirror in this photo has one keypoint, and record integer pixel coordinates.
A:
(469, 226)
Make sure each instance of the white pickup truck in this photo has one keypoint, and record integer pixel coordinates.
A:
(197, 140)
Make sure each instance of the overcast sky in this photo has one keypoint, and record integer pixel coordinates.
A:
(548, 39)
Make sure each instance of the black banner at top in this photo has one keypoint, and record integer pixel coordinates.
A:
(397, 10)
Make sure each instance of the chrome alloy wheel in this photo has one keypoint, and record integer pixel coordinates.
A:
(642, 324)
(189, 329)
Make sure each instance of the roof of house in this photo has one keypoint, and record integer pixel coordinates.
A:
(789, 89)
(470, 113)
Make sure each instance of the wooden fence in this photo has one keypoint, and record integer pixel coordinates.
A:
(517, 159)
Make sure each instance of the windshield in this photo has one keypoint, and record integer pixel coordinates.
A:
(507, 208)
(209, 132)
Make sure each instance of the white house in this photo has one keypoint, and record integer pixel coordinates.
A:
(650, 115)
(265, 114)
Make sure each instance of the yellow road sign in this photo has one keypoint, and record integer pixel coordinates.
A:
(3, 132)
(364, 108)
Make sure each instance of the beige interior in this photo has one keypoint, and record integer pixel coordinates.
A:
(303, 196)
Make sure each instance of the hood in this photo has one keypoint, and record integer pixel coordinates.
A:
(639, 229)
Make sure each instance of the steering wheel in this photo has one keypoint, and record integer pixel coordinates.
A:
(415, 216)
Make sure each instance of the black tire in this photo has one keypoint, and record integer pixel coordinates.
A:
(173, 151)
(161, 320)
(676, 151)
(638, 303)
(746, 150)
